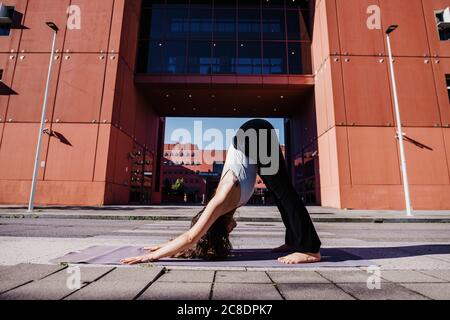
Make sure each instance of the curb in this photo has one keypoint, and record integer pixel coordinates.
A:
(242, 219)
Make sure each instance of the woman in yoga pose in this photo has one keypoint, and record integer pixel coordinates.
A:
(208, 237)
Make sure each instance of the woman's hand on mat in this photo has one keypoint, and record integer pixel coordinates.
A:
(153, 249)
(156, 248)
(137, 260)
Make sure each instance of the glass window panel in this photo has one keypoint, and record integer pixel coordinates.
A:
(447, 78)
(201, 3)
(274, 61)
(293, 25)
(295, 58)
(304, 4)
(249, 24)
(273, 3)
(145, 26)
(200, 23)
(249, 3)
(305, 27)
(225, 24)
(444, 34)
(178, 2)
(152, 3)
(5, 30)
(174, 57)
(149, 4)
(306, 58)
(142, 56)
(249, 58)
(157, 22)
(176, 23)
(224, 57)
(155, 57)
(225, 3)
(199, 57)
(274, 25)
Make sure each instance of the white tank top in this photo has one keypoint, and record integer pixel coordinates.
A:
(245, 172)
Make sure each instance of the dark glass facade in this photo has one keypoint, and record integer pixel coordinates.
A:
(247, 37)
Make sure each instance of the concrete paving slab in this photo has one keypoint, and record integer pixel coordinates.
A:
(240, 291)
(54, 287)
(354, 276)
(297, 277)
(388, 291)
(120, 284)
(8, 285)
(286, 269)
(413, 263)
(443, 257)
(177, 291)
(435, 291)
(41, 290)
(32, 271)
(408, 276)
(14, 276)
(88, 274)
(216, 268)
(441, 274)
(188, 276)
(241, 277)
(309, 291)
(423, 248)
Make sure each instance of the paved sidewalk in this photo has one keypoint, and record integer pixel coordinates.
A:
(45, 282)
(413, 259)
(246, 214)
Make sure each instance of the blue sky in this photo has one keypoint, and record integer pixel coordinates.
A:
(221, 124)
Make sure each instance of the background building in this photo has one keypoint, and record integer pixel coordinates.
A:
(186, 162)
(314, 63)
(200, 178)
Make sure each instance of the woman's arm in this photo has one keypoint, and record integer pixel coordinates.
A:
(223, 202)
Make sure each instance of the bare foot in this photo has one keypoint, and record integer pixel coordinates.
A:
(283, 248)
(298, 258)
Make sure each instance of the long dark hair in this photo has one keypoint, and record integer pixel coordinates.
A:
(215, 244)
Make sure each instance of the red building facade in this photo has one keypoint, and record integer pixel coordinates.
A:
(357, 151)
(106, 117)
(93, 104)
(186, 162)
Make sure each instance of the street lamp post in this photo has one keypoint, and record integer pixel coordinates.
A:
(400, 134)
(44, 111)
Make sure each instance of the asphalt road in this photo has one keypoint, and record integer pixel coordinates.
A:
(80, 228)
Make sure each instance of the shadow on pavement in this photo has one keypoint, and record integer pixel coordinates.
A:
(369, 253)
(346, 254)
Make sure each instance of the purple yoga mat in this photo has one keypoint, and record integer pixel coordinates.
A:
(252, 258)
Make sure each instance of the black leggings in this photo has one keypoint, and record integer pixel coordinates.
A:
(300, 231)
